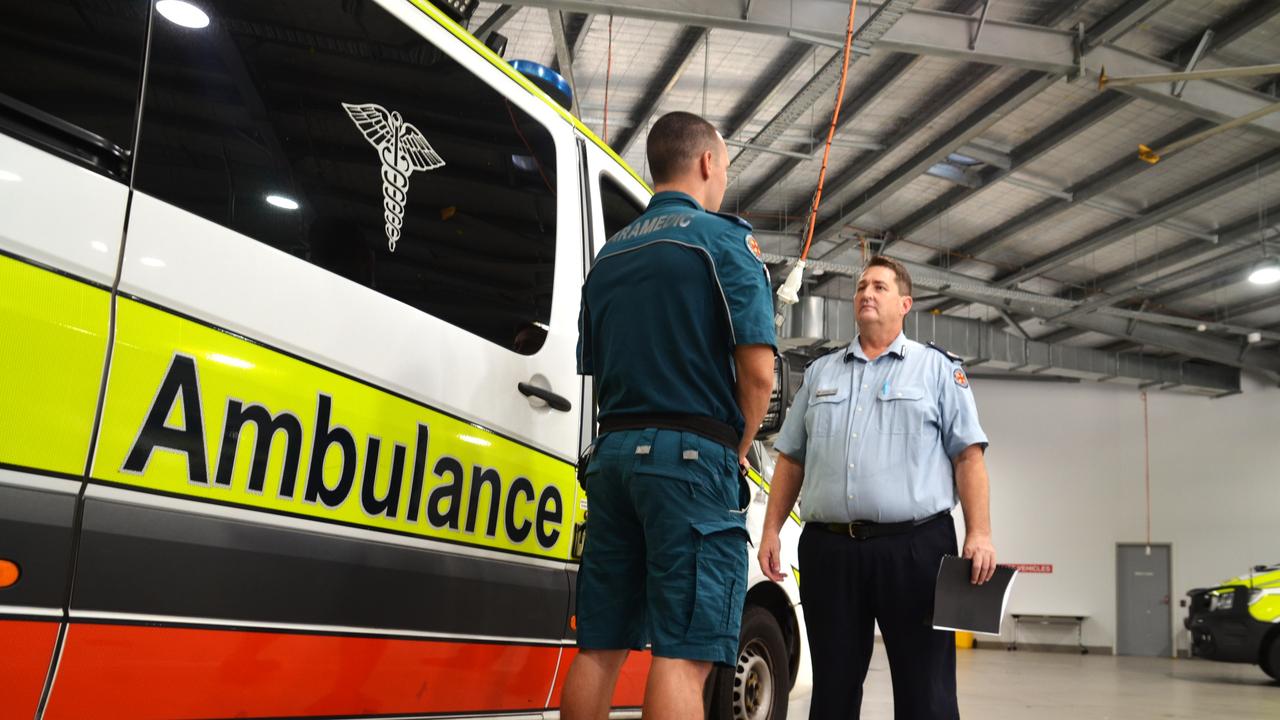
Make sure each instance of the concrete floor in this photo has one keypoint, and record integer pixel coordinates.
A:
(999, 685)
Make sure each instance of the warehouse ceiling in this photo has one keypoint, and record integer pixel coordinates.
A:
(975, 144)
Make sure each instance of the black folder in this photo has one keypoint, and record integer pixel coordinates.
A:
(958, 604)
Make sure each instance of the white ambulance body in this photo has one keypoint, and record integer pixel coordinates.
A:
(288, 403)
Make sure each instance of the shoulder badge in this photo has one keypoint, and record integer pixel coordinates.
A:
(754, 247)
(950, 355)
(961, 379)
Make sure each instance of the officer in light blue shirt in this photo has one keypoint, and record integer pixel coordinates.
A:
(880, 442)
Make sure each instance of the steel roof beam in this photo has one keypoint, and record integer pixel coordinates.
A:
(1251, 306)
(501, 16)
(939, 34)
(1228, 263)
(1059, 132)
(953, 93)
(1018, 93)
(673, 67)
(1122, 20)
(976, 123)
(920, 32)
(564, 57)
(1164, 331)
(1215, 187)
(1083, 191)
(869, 34)
(766, 88)
(854, 106)
(1225, 32)
(1187, 342)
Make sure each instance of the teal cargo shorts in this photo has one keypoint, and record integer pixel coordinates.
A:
(665, 560)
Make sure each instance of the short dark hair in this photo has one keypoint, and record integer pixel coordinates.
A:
(675, 140)
(899, 271)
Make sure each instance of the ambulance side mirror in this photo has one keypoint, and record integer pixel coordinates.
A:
(777, 411)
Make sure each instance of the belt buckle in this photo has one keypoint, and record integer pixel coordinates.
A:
(857, 531)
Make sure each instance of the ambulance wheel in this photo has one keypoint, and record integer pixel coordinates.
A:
(1271, 657)
(756, 688)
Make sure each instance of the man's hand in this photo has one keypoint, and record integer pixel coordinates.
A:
(771, 556)
(978, 548)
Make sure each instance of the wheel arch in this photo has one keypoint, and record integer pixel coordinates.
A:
(771, 597)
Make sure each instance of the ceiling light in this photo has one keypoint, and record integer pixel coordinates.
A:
(180, 12)
(1266, 272)
(282, 202)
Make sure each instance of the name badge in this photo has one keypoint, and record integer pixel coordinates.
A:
(825, 392)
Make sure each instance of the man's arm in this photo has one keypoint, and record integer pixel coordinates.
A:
(754, 365)
(788, 475)
(973, 486)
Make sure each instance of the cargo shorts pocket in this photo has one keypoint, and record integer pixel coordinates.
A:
(720, 579)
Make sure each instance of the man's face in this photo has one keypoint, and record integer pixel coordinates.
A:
(878, 301)
(719, 178)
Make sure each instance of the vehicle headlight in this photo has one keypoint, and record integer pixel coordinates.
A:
(1223, 601)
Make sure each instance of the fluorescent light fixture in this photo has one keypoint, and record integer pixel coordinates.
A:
(282, 202)
(180, 12)
(152, 262)
(1266, 272)
(232, 361)
(6, 176)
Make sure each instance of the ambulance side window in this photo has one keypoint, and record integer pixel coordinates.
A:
(619, 207)
(69, 77)
(335, 133)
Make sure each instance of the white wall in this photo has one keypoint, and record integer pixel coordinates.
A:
(1066, 464)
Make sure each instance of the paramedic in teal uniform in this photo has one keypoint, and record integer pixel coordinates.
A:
(676, 330)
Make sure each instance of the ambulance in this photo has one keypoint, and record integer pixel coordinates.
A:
(1239, 621)
(288, 405)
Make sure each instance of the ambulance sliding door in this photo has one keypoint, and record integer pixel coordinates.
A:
(69, 79)
(323, 485)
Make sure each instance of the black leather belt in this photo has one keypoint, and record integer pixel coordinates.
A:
(709, 428)
(865, 529)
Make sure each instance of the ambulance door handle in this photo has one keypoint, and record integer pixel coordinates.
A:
(557, 402)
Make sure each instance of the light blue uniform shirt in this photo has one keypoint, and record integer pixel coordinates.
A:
(876, 437)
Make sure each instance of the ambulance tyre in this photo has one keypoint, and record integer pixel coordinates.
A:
(756, 688)
(1271, 656)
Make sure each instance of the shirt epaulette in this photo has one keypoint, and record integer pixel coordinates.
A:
(733, 218)
(832, 350)
(950, 355)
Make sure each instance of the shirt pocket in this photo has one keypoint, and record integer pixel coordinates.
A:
(902, 411)
(828, 411)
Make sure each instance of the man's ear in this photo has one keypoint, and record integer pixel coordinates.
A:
(705, 164)
(907, 302)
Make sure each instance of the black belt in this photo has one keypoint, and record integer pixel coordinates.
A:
(709, 428)
(865, 529)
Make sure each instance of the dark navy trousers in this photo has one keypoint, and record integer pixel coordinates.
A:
(846, 587)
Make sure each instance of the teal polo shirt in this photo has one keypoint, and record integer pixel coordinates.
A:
(668, 299)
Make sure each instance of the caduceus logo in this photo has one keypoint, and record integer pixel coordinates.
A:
(403, 150)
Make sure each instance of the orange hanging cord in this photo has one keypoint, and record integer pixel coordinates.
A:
(831, 131)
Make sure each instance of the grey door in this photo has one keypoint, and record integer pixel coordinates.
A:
(1143, 620)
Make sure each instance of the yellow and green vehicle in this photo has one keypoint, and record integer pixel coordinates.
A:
(1239, 621)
